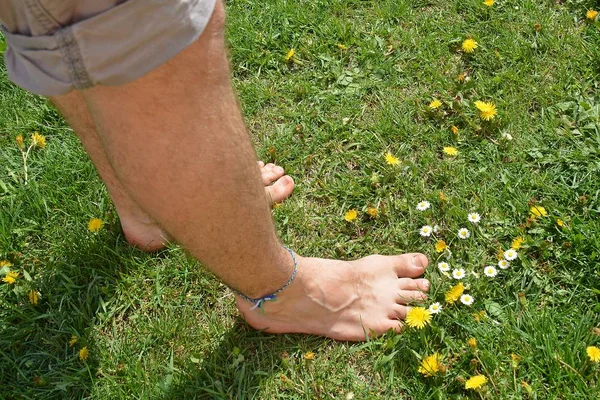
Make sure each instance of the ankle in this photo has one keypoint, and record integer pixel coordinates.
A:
(260, 294)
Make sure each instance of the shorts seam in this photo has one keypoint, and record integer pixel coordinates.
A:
(42, 16)
(69, 48)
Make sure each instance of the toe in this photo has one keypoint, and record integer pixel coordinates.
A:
(411, 290)
(398, 311)
(393, 324)
(410, 265)
(410, 296)
(281, 189)
(413, 284)
(270, 173)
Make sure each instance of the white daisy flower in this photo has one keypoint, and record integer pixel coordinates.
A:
(424, 205)
(474, 218)
(444, 266)
(436, 228)
(446, 274)
(503, 264)
(458, 273)
(426, 231)
(435, 308)
(467, 299)
(463, 233)
(510, 254)
(507, 136)
(490, 271)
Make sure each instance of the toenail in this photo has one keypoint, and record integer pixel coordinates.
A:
(425, 284)
(279, 170)
(416, 261)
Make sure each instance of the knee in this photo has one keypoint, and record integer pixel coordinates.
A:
(216, 25)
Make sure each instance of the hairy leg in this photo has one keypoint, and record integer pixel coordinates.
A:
(188, 161)
(139, 228)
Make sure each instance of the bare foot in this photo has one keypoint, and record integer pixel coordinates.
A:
(141, 231)
(344, 300)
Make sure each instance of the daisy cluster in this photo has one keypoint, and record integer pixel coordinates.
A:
(460, 282)
(453, 270)
(464, 285)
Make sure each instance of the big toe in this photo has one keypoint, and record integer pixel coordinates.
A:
(410, 265)
(281, 189)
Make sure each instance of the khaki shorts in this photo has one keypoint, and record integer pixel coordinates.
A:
(55, 46)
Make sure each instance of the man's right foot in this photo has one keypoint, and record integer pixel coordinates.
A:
(344, 300)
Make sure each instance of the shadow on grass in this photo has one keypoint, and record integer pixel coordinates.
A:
(239, 367)
(40, 344)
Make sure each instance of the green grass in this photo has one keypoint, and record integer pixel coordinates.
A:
(159, 326)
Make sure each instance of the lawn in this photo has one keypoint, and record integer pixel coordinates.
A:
(351, 114)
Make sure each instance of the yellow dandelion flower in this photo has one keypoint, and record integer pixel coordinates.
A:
(488, 3)
(478, 316)
(591, 14)
(472, 342)
(84, 353)
(34, 297)
(350, 215)
(475, 382)
(290, 54)
(454, 130)
(10, 277)
(462, 77)
(453, 295)
(538, 211)
(19, 140)
(341, 46)
(440, 246)
(487, 110)
(391, 159)
(469, 45)
(514, 360)
(38, 140)
(435, 104)
(430, 365)
(95, 224)
(500, 253)
(73, 340)
(309, 355)
(560, 222)
(516, 243)
(418, 317)
(372, 211)
(450, 151)
(593, 353)
(442, 196)
(5, 263)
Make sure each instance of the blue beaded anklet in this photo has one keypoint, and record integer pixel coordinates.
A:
(258, 303)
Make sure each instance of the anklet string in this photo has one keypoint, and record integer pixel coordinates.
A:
(258, 303)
